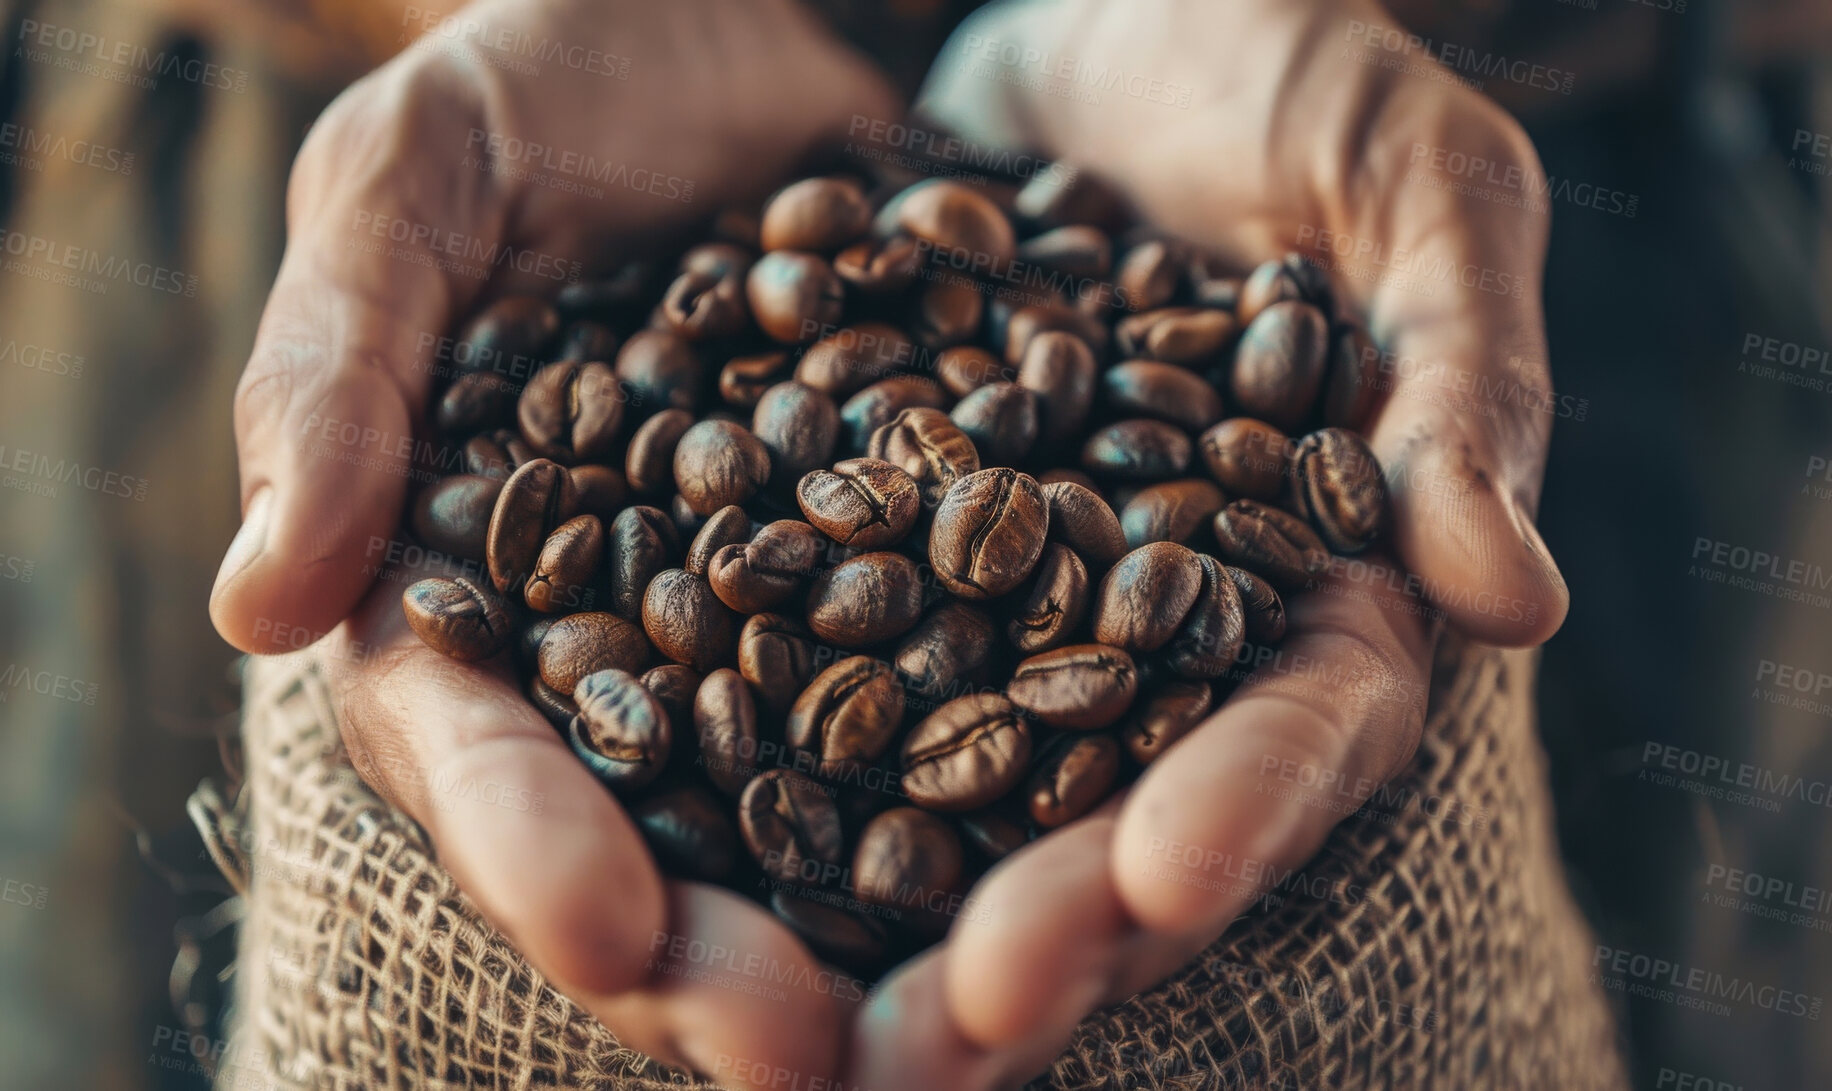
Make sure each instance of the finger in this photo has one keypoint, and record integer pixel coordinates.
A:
(905, 1038)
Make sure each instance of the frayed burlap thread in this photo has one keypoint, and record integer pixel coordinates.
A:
(1433, 943)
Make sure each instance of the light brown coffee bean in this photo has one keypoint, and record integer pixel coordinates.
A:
(1078, 688)
(988, 533)
(1073, 775)
(581, 644)
(1164, 716)
(1271, 543)
(1336, 483)
(457, 617)
(847, 716)
(1249, 457)
(966, 754)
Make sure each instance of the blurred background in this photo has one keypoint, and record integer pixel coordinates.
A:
(1687, 298)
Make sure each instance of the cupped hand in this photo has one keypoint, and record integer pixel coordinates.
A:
(520, 141)
(1259, 128)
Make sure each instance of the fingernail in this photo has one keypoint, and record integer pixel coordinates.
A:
(250, 540)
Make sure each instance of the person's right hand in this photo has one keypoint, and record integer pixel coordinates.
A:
(722, 96)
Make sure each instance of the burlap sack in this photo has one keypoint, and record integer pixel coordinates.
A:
(1433, 942)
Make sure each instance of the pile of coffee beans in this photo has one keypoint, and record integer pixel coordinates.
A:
(894, 526)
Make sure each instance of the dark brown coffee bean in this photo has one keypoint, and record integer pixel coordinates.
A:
(621, 733)
(1137, 450)
(537, 498)
(1149, 276)
(1026, 324)
(1270, 282)
(794, 296)
(853, 357)
(512, 328)
(880, 266)
(1060, 368)
(948, 648)
(1146, 596)
(865, 503)
(1248, 457)
(1313, 283)
(1336, 483)
(1352, 388)
(689, 833)
(929, 447)
(1264, 609)
(988, 533)
(586, 341)
(767, 571)
(1074, 774)
(1082, 520)
(1166, 715)
(452, 515)
(581, 644)
(847, 715)
(743, 379)
(674, 685)
(558, 708)
(1164, 391)
(571, 412)
(641, 542)
(1077, 251)
(1172, 511)
(995, 832)
(708, 302)
(649, 460)
(659, 368)
(954, 218)
(607, 299)
(1212, 632)
(496, 455)
(1278, 369)
(725, 722)
(727, 526)
(457, 618)
(878, 404)
(566, 567)
(968, 753)
(965, 368)
(476, 403)
(1178, 335)
(776, 656)
(600, 491)
(947, 312)
(687, 623)
(851, 940)
(1045, 613)
(815, 214)
(908, 859)
(798, 425)
(1001, 420)
(718, 462)
(1078, 688)
(1269, 542)
(791, 826)
(871, 598)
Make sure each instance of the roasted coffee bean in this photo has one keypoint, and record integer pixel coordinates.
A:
(815, 214)
(567, 565)
(659, 369)
(725, 722)
(794, 295)
(968, 753)
(606, 299)
(1269, 542)
(1080, 518)
(689, 833)
(640, 543)
(571, 412)
(1164, 391)
(847, 716)
(988, 533)
(847, 359)
(496, 455)
(1352, 388)
(1270, 282)
(1060, 368)
(558, 708)
(1078, 688)
(767, 571)
(743, 379)
(776, 656)
(906, 858)
(1149, 276)
(1313, 283)
(965, 368)
(1211, 633)
(1172, 511)
(798, 425)
(581, 644)
(475, 403)
(687, 623)
(1249, 457)
(649, 460)
(457, 618)
(880, 266)
(1146, 596)
(949, 647)
(790, 825)
(1264, 609)
(599, 490)
(727, 526)
(1178, 335)
(946, 313)
(674, 685)
(621, 732)
(929, 447)
(1336, 483)
(585, 341)
(1026, 324)
(512, 329)
(852, 940)
(865, 503)
(959, 222)
(452, 515)
(708, 301)
(1137, 450)
(870, 598)
(1164, 716)
(878, 404)
(718, 462)
(537, 498)
(1073, 775)
(1278, 369)
(1056, 198)
(1046, 612)
(994, 832)
(1001, 420)
(1077, 251)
